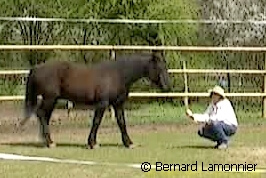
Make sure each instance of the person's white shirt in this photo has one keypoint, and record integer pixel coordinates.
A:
(221, 111)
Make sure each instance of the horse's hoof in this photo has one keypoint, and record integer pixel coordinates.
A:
(132, 146)
(96, 146)
(93, 146)
(52, 145)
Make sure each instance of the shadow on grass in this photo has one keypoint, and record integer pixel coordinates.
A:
(24, 144)
(192, 147)
(74, 145)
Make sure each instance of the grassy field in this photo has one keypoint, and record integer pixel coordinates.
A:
(162, 133)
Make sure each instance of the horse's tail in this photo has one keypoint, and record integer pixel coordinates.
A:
(30, 98)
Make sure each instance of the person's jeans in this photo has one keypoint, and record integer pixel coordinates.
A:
(218, 131)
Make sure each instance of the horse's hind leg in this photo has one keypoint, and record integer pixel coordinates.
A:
(44, 113)
(120, 116)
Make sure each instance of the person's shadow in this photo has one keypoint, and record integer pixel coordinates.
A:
(191, 147)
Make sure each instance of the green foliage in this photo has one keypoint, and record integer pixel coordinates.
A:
(175, 34)
(166, 34)
(44, 33)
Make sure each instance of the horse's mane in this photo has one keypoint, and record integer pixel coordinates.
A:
(125, 60)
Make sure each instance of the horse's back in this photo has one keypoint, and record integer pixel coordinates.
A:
(51, 67)
(81, 82)
(94, 81)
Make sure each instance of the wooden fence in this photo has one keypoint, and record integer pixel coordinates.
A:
(184, 70)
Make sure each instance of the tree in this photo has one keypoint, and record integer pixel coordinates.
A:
(240, 34)
(236, 34)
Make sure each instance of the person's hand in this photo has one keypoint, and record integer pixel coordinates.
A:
(189, 113)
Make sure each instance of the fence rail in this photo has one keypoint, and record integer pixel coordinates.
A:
(129, 47)
(156, 95)
(137, 21)
(184, 70)
(171, 71)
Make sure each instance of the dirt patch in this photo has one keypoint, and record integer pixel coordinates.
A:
(61, 120)
(61, 124)
(31, 132)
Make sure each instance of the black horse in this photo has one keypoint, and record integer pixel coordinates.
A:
(101, 85)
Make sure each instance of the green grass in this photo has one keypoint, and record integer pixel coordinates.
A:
(162, 132)
(177, 146)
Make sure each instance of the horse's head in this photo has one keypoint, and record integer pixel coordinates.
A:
(158, 71)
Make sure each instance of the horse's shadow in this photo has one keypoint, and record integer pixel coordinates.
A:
(73, 145)
(102, 145)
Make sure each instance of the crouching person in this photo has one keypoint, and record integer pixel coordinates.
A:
(219, 118)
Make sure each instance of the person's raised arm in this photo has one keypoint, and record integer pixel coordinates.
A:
(198, 117)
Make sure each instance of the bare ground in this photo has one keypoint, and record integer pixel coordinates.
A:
(11, 114)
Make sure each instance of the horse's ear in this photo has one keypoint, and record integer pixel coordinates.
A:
(158, 55)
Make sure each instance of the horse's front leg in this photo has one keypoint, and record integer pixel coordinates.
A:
(97, 119)
(120, 116)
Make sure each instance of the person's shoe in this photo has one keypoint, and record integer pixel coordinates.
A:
(222, 146)
(217, 145)
(200, 132)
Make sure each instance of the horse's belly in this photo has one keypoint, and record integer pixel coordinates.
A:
(78, 96)
(92, 90)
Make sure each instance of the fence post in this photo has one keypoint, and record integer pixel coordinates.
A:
(264, 98)
(186, 84)
(112, 54)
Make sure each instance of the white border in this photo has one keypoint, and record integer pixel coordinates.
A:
(5, 156)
